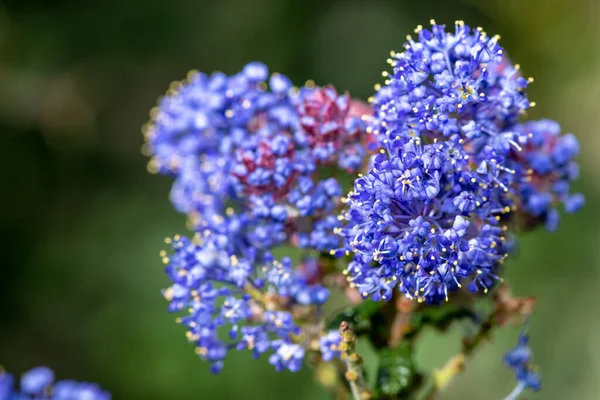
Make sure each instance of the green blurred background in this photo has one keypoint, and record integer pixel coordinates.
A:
(82, 222)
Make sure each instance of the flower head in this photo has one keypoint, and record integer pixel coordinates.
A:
(436, 206)
(423, 220)
(252, 299)
(248, 145)
(205, 122)
(546, 169)
(447, 83)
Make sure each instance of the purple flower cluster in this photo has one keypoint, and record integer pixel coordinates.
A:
(39, 384)
(437, 204)
(206, 128)
(244, 150)
(251, 142)
(449, 171)
(245, 303)
(426, 221)
(547, 169)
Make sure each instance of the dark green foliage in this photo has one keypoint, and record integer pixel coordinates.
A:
(396, 375)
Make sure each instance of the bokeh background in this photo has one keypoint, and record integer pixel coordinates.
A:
(82, 222)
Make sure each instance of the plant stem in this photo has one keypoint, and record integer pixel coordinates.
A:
(456, 365)
(355, 391)
(353, 362)
(506, 309)
(516, 392)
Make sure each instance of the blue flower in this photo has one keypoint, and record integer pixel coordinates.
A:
(235, 310)
(6, 384)
(520, 360)
(39, 383)
(329, 345)
(427, 219)
(520, 355)
(36, 381)
(287, 356)
(254, 338)
(447, 83)
(465, 201)
(251, 297)
(545, 170)
(205, 122)
(69, 390)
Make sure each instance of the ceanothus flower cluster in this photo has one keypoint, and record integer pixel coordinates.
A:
(204, 129)
(426, 221)
(446, 172)
(244, 151)
(236, 303)
(251, 143)
(546, 168)
(39, 384)
(436, 206)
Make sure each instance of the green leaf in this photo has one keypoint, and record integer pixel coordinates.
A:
(396, 375)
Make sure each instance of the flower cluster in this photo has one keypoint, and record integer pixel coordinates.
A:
(446, 172)
(519, 359)
(547, 168)
(452, 83)
(427, 222)
(250, 303)
(39, 384)
(252, 143)
(244, 150)
(207, 127)
(437, 204)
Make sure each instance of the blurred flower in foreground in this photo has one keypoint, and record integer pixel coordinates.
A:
(38, 384)
(547, 169)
